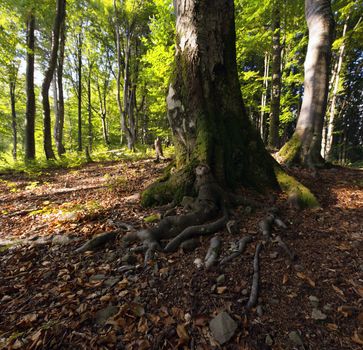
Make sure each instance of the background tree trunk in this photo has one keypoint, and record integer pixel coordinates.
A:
(30, 95)
(79, 57)
(205, 108)
(305, 145)
(12, 86)
(48, 75)
(273, 136)
(89, 96)
(60, 125)
(264, 96)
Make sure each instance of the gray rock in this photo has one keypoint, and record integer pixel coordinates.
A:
(129, 259)
(110, 282)
(318, 315)
(244, 292)
(221, 279)
(189, 245)
(103, 315)
(60, 239)
(268, 340)
(327, 307)
(295, 338)
(259, 310)
(222, 327)
(98, 277)
(314, 301)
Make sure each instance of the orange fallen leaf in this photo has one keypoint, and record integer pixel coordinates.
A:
(221, 290)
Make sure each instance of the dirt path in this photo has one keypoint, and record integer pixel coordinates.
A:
(51, 298)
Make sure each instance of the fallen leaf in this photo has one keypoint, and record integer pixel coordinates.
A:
(182, 334)
(221, 290)
(285, 278)
(201, 321)
(338, 290)
(358, 337)
(332, 326)
(346, 310)
(306, 278)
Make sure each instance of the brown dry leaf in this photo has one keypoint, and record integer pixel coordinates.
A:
(123, 293)
(221, 290)
(27, 319)
(358, 336)
(106, 297)
(178, 313)
(359, 291)
(285, 278)
(338, 290)
(118, 323)
(306, 278)
(137, 309)
(182, 333)
(346, 310)
(143, 344)
(201, 321)
(142, 326)
(168, 321)
(360, 318)
(332, 326)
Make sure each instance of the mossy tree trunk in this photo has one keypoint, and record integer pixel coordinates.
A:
(205, 108)
(305, 145)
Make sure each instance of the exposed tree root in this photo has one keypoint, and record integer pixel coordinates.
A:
(213, 252)
(266, 226)
(241, 247)
(286, 249)
(255, 279)
(98, 241)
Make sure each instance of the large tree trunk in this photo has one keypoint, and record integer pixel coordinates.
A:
(273, 136)
(205, 108)
(305, 145)
(59, 125)
(30, 95)
(48, 75)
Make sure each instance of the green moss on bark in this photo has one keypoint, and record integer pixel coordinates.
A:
(304, 197)
(290, 152)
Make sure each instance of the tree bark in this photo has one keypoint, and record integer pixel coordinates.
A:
(79, 57)
(12, 86)
(89, 96)
(205, 108)
(264, 96)
(305, 145)
(30, 95)
(48, 75)
(102, 96)
(59, 126)
(273, 137)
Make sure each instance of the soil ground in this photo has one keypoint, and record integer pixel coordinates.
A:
(53, 298)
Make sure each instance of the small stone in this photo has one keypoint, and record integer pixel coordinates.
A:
(259, 310)
(110, 282)
(221, 279)
(103, 315)
(327, 307)
(98, 277)
(268, 340)
(296, 338)
(222, 327)
(198, 263)
(129, 259)
(187, 317)
(274, 255)
(314, 301)
(318, 315)
(244, 292)
(6, 298)
(60, 239)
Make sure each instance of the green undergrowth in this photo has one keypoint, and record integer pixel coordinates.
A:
(76, 159)
(304, 197)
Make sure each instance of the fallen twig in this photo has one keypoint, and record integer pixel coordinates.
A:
(256, 276)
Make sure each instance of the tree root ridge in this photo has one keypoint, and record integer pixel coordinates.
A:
(213, 252)
(255, 279)
(241, 247)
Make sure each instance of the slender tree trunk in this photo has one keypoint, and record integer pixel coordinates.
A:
(264, 96)
(55, 106)
(48, 75)
(329, 139)
(205, 108)
(60, 125)
(102, 96)
(30, 95)
(79, 69)
(273, 137)
(89, 95)
(12, 86)
(305, 145)
(119, 71)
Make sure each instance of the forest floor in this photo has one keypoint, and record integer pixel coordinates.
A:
(54, 298)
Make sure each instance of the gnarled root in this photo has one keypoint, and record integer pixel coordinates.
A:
(255, 279)
(285, 247)
(213, 252)
(241, 247)
(98, 241)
